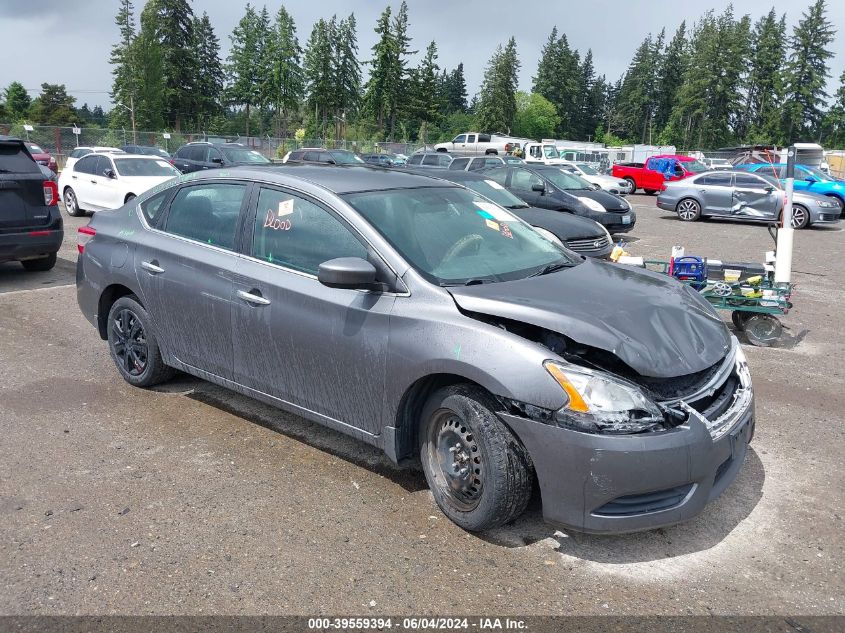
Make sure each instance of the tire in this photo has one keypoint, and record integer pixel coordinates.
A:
(632, 183)
(762, 329)
(800, 217)
(71, 203)
(738, 318)
(688, 210)
(40, 265)
(499, 485)
(650, 192)
(129, 321)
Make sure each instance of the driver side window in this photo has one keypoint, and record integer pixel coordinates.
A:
(524, 180)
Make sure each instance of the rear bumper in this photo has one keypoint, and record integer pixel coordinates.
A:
(665, 204)
(29, 244)
(615, 484)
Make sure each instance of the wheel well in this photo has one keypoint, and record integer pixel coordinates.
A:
(491, 151)
(110, 295)
(441, 149)
(129, 195)
(407, 416)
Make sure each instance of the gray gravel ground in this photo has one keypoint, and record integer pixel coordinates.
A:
(194, 500)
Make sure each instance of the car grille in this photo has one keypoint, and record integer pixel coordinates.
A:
(632, 505)
(588, 244)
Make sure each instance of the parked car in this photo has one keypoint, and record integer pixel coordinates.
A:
(79, 152)
(550, 187)
(383, 160)
(585, 237)
(652, 175)
(204, 155)
(743, 196)
(42, 157)
(146, 150)
(322, 155)
(419, 317)
(809, 179)
(717, 163)
(98, 182)
(31, 229)
(434, 160)
(474, 143)
(607, 183)
(467, 163)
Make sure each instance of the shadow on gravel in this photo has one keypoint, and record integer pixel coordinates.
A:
(13, 277)
(409, 475)
(707, 530)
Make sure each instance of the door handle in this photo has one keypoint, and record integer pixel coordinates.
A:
(73, 177)
(93, 182)
(254, 299)
(150, 267)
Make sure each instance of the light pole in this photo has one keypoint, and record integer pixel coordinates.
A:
(131, 108)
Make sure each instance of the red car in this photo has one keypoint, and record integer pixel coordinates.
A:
(42, 158)
(652, 175)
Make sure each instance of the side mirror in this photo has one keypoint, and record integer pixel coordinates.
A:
(217, 160)
(109, 173)
(347, 272)
(331, 161)
(769, 189)
(810, 179)
(539, 187)
(596, 187)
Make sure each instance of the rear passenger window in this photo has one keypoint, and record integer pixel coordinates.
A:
(207, 213)
(296, 233)
(86, 165)
(431, 159)
(459, 163)
(415, 160)
(14, 160)
(718, 180)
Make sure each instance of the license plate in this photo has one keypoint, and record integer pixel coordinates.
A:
(626, 219)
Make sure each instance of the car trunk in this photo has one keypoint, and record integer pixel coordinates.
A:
(21, 188)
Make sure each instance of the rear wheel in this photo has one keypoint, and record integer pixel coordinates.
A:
(688, 210)
(41, 264)
(478, 472)
(133, 344)
(72, 203)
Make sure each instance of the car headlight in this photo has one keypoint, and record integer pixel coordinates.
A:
(600, 403)
(827, 204)
(741, 363)
(593, 205)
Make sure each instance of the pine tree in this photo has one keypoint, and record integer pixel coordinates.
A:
(318, 69)
(244, 63)
(397, 88)
(765, 80)
(637, 97)
(376, 95)
(124, 70)
(671, 71)
(425, 94)
(496, 108)
(53, 106)
(17, 100)
(835, 118)
(210, 76)
(347, 72)
(285, 82)
(456, 90)
(147, 58)
(806, 74)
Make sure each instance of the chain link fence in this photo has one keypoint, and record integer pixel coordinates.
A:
(61, 141)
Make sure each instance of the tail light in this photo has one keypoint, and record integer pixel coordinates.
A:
(83, 236)
(51, 193)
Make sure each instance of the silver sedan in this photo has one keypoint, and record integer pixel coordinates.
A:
(743, 196)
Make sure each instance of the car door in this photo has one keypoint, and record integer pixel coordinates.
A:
(471, 144)
(717, 193)
(185, 270)
(521, 184)
(81, 181)
(111, 190)
(755, 197)
(459, 143)
(319, 348)
(100, 185)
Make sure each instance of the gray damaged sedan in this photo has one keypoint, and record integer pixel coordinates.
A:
(419, 317)
(740, 195)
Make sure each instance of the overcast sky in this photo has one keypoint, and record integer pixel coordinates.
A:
(68, 41)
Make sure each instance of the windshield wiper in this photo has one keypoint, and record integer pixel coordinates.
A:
(517, 206)
(545, 270)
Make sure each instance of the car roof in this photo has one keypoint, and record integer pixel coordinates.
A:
(339, 179)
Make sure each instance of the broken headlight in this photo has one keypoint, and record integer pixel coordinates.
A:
(600, 403)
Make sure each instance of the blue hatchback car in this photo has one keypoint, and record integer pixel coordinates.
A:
(807, 178)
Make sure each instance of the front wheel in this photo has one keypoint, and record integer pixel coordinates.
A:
(72, 203)
(481, 477)
(688, 210)
(800, 217)
(133, 344)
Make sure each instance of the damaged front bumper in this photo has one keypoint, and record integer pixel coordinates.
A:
(624, 483)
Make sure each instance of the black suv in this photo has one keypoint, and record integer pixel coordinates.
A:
(204, 155)
(30, 223)
(320, 155)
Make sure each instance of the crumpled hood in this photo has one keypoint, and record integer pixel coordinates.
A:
(659, 327)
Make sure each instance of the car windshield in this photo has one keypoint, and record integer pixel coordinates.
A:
(586, 169)
(817, 173)
(695, 166)
(550, 151)
(496, 192)
(35, 149)
(243, 155)
(144, 167)
(453, 236)
(565, 179)
(345, 158)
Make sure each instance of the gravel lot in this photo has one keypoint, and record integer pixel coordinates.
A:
(194, 500)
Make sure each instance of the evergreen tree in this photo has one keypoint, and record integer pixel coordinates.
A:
(53, 106)
(426, 102)
(244, 63)
(455, 89)
(376, 100)
(318, 68)
(347, 72)
(147, 59)
(835, 120)
(124, 69)
(496, 108)
(285, 81)
(765, 80)
(17, 100)
(806, 74)
(671, 76)
(210, 76)
(397, 88)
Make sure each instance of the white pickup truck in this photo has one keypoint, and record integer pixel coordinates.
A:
(475, 143)
(545, 153)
